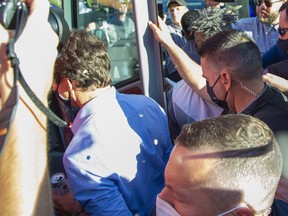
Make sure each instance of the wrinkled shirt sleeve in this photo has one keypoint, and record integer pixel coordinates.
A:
(100, 196)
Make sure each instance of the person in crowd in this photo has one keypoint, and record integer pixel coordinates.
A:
(176, 9)
(184, 104)
(264, 27)
(223, 56)
(190, 47)
(23, 159)
(121, 144)
(275, 59)
(279, 52)
(231, 77)
(124, 64)
(105, 31)
(122, 23)
(225, 165)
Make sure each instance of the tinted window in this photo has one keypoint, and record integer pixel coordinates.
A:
(113, 23)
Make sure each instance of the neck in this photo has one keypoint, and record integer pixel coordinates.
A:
(275, 22)
(246, 94)
(83, 97)
(122, 17)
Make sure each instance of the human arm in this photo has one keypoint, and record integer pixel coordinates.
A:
(99, 195)
(277, 82)
(189, 70)
(279, 69)
(67, 204)
(23, 160)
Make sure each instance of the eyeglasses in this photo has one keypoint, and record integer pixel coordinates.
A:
(282, 31)
(266, 2)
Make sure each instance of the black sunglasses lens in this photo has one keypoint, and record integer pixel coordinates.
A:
(267, 3)
(282, 31)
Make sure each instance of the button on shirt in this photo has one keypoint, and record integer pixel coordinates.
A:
(116, 159)
(264, 35)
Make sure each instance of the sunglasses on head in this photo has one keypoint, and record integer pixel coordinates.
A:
(282, 31)
(266, 2)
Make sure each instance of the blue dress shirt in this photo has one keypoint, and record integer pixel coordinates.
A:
(116, 159)
(264, 35)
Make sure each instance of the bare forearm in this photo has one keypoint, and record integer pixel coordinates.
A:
(189, 70)
(277, 82)
(23, 166)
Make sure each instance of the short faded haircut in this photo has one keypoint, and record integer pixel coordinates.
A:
(248, 158)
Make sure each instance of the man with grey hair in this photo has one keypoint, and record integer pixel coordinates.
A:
(226, 164)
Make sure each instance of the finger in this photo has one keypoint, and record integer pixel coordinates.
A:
(152, 26)
(161, 23)
(164, 18)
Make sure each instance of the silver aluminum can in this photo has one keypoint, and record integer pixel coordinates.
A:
(60, 184)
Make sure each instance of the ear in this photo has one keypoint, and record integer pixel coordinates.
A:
(226, 79)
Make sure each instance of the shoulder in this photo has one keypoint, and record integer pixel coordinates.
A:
(137, 102)
(247, 21)
(272, 108)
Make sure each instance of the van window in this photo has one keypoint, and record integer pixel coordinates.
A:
(113, 23)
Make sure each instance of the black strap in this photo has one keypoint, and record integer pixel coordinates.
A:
(8, 111)
(51, 115)
(21, 19)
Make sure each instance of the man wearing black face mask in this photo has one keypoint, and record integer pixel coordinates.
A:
(232, 73)
(279, 52)
(231, 65)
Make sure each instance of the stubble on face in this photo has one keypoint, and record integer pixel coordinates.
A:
(270, 19)
(269, 16)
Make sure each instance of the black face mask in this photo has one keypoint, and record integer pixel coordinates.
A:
(283, 45)
(68, 112)
(221, 103)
